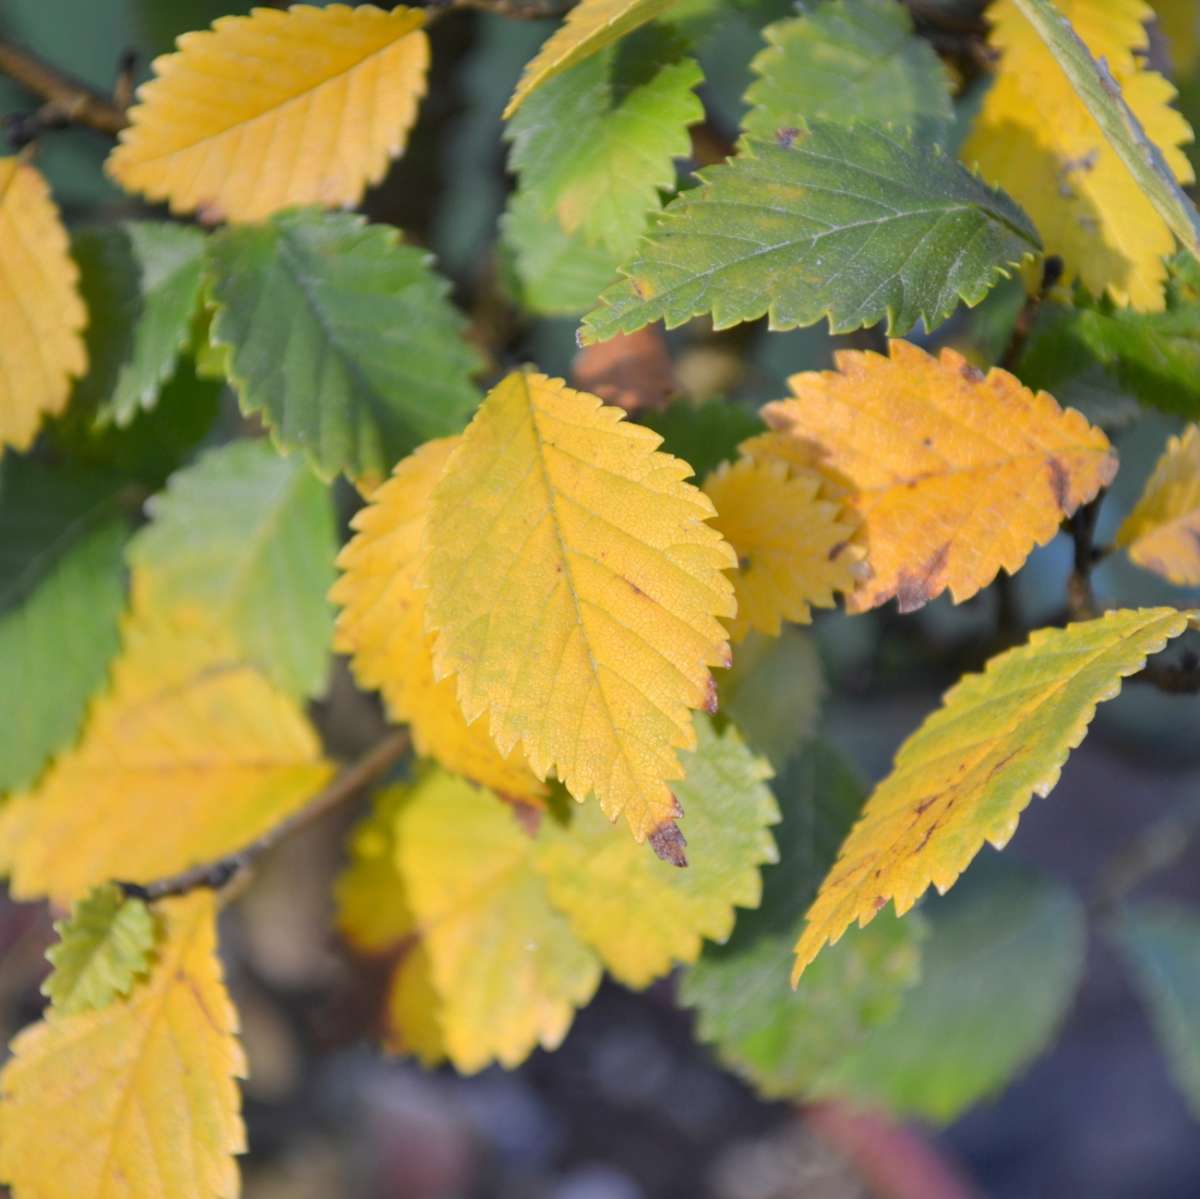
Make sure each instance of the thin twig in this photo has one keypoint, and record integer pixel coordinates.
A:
(68, 101)
(1052, 269)
(219, 873)
(1081, 601)
(1172, 678)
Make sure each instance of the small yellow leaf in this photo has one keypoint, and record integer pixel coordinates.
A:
(575, 588)
(306, 106)
(1162, 533)
(137, 1100)
(382, 624)
(953, 474)
(589, 27)
(793, 545)
(41, 314)
(964, 777)
(189, 755)
(1036, 139)
(443, 875)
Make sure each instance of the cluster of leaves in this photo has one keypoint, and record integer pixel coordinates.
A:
(535, 587)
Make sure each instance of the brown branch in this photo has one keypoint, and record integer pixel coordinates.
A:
(68, 101)
(219, 873)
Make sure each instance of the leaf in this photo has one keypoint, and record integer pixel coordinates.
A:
(1162, 533)
(847, 61)
(1160, 942)
(575, 590)
(964, 777)
(137, 1099)
(248, 537)
(634, 371)
(854, 224)
(61, 594)
(781, 1039)
(40, 310)
(589, 27)
(998, 973)
(953, 474)
(219, 129)
(342, 338)
(1180, 25)
(382, 624)
(640, 913)
(188, 728)
(443, 876)
(141, 282)
(706, 434)
(793, 543)
(104, 947)
(596, 145)
(1035, 137)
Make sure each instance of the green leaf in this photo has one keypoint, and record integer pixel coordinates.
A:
(1001, 965)
(342, 338)
(141, 282)
(851, 223)
(248, 536)
(779, 1038)
(594, 147)
(703, 435)
(103, 946)
(1161, 945)
(847, 61)
(61, 593)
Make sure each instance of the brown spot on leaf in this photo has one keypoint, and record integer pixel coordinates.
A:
(835, 550)
(743, 564)
(786, 137)
(209, 213)
(710, 696)
(528, 817)
(634, 587)
(1060, 483)
(880, 903)
(915, 588)
(972, 374)
(668, 843)
(639, 288)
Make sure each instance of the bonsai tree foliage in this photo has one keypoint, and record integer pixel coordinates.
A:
(246, 428)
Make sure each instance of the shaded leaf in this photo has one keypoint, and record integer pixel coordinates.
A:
(634, 371)
(218, 129)
(138, 1098)
(964, 777)
(575, 590)
(954, 474)
(855, 224)
(703, 435)
(342, 338)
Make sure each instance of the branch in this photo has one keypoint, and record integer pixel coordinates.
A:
(68, 101)
(1081, 601)
(219, 873)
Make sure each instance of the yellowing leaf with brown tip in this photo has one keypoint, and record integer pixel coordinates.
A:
(965, 776)
(1162, 533)
(138, 1100)
(793, 544)
(189, 755)
(41, 314)
(304, 106)
(954, 474)
(382, 625)
(576, 587)
(1035, 138)
(589, 27)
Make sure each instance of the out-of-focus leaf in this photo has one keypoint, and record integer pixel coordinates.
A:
(703, 435)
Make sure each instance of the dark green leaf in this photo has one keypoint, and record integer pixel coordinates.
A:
(703, 435)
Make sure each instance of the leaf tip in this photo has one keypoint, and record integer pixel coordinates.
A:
(668, 843)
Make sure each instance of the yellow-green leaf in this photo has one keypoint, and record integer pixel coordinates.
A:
(575, 589)
(306, 106)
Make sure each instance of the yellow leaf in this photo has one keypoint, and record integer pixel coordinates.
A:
(306, 106)
(575, 589)
(488, 969)
(382, 624)
(1035, 138)
(137, 1100)
(189, 755)
(1162, 533)
(793, 545)
(589, 27)
(964, 777)
(42, 316)
(954, 474)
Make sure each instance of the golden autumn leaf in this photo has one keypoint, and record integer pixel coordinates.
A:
(576, 589)
(190, 754)
(306, 106)
(41, 313)
(1162, 533)
(382, 625)
(793, 544)
(965, 776)
(589, 27)
(140, 1098)
(1035, 138)
(954, 474)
